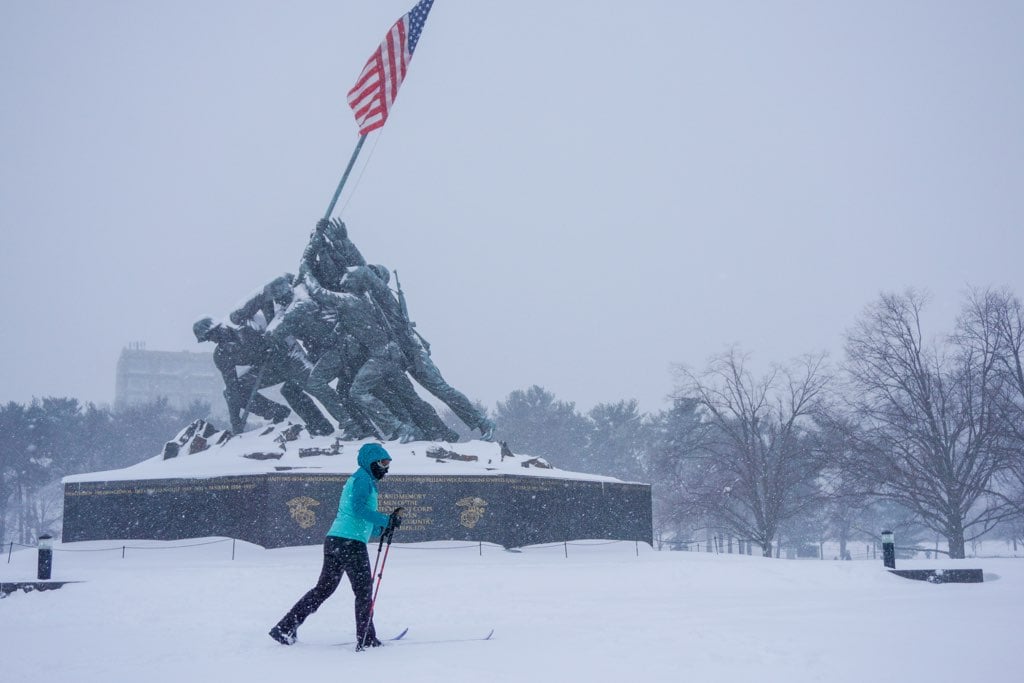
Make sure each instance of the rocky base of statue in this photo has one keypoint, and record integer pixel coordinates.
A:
(197, 437)
(272, 443)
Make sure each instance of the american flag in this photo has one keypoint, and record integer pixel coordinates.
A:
(377, 86)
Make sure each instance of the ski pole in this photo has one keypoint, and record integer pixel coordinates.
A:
(387, 534)
(373, 600)
(373, 575)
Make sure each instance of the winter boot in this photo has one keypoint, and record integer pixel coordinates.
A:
(371, 641)
(486, 428)
(284, 636)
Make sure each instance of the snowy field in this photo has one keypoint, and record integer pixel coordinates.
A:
(170, 613)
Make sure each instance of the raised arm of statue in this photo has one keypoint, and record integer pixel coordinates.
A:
(274, 297)
(343, 251)
(325, 297)
(306, 270)
(329, 254)
(245, 313)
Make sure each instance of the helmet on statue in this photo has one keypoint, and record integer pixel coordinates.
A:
(202, 328)
(381, 272)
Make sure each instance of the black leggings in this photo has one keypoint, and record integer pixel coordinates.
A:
(341, 556)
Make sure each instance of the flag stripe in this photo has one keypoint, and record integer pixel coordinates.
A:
(376, 88)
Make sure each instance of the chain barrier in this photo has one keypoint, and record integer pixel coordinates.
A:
(122, 547)
(690, 546)
(479, 546)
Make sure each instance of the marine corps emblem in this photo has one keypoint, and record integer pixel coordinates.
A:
(300, 510)
(473, 512)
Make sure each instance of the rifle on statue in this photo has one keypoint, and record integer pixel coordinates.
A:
(405, 315)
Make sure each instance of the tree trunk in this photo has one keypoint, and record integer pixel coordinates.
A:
(21, 516)
(3, 510)
(955, 538)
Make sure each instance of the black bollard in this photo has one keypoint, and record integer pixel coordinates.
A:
(45, 557)
(888, 550)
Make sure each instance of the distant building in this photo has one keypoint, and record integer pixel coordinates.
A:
(181, 377)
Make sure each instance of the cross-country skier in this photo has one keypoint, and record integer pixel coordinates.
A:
(345, 550)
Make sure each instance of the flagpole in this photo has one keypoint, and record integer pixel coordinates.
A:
(348, 169)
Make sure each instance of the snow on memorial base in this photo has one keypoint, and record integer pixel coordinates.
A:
(280, 487)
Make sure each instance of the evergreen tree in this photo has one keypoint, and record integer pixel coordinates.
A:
(615, 443)
(14, 442)
(532, 421)
(54, 437)
(673, 439)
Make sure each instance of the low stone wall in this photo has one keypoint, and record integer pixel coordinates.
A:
(942, 575)
(284, 509)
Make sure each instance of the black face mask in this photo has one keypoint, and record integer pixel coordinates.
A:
(379, 468)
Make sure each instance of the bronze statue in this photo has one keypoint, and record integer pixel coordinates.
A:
(337, 322)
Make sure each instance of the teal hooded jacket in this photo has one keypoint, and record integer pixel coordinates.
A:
(357, 510)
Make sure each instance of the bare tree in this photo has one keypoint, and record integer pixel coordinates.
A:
(758, 465)
(846, 499)
(1000, 313)
(932, 434)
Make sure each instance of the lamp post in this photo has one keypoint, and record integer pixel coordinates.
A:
(888, 550)
(45, 557)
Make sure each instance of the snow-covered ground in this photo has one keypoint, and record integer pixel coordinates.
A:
(176, 611)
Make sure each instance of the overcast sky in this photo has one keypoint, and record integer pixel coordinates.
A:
(575, 194)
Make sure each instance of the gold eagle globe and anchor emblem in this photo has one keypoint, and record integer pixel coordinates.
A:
(299, 508)
(474, 510)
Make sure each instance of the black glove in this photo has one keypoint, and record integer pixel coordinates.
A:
(394, 521)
